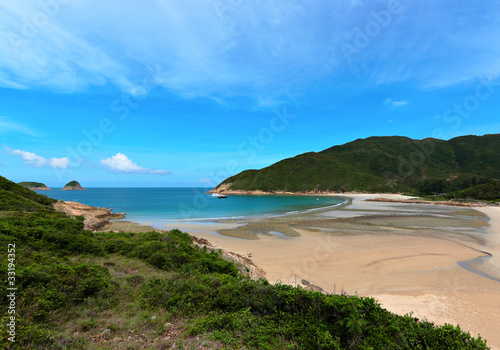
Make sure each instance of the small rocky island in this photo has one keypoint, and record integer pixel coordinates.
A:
(34, 186)
(73, 186)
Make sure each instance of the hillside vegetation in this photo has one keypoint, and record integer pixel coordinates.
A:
(82, 290)
(385, 164)
(73, 184)
(32, 185)
(16, 197)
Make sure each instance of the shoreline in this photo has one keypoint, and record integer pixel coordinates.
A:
(381, 197)
(407, 269)
(406, 255)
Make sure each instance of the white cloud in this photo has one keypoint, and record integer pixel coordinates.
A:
(61, 163)
(120, 163)
(242, 47)
(201, 51)
(394, 103)
(206, 180)
(8, 126)
(399, 103)
(37, 161)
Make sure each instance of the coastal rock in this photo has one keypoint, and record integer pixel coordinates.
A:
(245, 265)
(94, 217)
(73, 186)
(308, 285)
(40, 188)
(221, 188)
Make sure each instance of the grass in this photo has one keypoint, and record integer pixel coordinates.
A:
(126, 320)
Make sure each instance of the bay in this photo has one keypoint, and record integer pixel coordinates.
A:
(188, 204)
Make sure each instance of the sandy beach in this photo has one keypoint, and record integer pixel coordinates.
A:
(410, 257)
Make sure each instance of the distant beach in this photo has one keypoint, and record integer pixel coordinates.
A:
(406, 255)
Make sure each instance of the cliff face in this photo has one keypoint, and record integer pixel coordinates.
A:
(39, 188)
(73, 186)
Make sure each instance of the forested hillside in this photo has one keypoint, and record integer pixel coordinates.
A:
(386, 164)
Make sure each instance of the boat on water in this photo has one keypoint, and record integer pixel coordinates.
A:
(219, 195)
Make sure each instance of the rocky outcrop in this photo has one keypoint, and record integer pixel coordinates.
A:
(245, 265)
(39, 188)
(73, 186)
(221, 188)
(94, 217)
(309, 286)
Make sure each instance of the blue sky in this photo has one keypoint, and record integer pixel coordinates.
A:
(186, 93)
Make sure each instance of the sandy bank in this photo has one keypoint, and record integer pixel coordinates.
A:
(492, 265)
(404, 254)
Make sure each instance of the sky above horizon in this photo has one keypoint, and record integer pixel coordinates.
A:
(187, 93)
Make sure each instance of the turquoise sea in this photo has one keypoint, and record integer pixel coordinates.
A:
(188, 204)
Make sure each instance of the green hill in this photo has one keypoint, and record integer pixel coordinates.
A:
(382, 164)
(72, 186)
(16, 197)
(29, 184)
(72, 183)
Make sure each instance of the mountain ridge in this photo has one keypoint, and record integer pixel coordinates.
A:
(381, 164)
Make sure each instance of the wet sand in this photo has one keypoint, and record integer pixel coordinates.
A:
(404, 255)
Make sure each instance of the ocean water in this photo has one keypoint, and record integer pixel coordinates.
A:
(188, 204)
